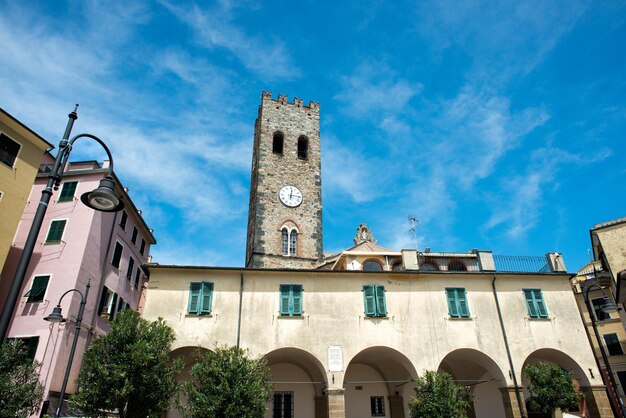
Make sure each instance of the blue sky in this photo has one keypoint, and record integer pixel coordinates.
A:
(499, 125)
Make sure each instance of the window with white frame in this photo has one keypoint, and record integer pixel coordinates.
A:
(55, 233)
(37, 289)
(289, 241)
(8, 150)
(613, 345)
(117, 255)
(108, 304)
(67, 191)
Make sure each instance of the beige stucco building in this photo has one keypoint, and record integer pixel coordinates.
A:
(346, 335)
(334, 359)
(21, 152)
(608, 241)
(610, 326)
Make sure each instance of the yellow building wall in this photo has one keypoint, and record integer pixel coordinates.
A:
(16, 183)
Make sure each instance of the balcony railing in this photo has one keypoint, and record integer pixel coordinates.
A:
(524, 264)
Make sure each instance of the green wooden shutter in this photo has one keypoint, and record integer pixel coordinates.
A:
(56, 231)
(68, 190)
(129, 272)
(113, 311)
(285, 290)
(194, 297)
(462, 299)
(369, 297)
(296, 297)
(207, 297)
(530, 303)
(541, 306)
(103, 300)
(452, 306)
(381, 305)
(38, 289)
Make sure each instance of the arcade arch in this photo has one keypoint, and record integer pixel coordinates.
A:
(299, 383)
(482, 376)
(375, 375)
(581, 380)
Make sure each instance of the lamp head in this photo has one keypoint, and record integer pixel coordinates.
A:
(104, 198)
(55, 316)
(608, 305)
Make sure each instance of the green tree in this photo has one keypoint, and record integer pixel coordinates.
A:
(225, 383)
(438, 396)
(128, 370)
(21, 392)
(551, 387)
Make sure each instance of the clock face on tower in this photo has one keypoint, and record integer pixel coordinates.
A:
(290, 196)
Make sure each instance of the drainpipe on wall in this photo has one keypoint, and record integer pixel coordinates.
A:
(240, 307)
(508, 350)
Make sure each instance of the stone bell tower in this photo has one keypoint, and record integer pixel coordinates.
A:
(285, 213)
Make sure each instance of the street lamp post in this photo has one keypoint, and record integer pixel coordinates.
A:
(57, 317)
(102, 199)
(607, 306)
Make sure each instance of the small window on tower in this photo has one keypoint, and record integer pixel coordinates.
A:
(303, 148)
(277, 143)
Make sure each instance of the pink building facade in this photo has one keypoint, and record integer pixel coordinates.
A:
(76, 246)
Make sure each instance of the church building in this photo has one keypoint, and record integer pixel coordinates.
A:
(346, 335)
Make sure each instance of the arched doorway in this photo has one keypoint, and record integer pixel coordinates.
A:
(482, 376)
(188, 354)
(581, 380)
(378, 382)
(299, 384)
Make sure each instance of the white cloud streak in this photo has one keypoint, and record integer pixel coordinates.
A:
(213, 28)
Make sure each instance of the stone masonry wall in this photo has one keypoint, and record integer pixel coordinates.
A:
(270, 172)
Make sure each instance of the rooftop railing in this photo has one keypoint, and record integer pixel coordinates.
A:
(524, 264)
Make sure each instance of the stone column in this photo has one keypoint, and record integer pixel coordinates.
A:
(321, 407)
(336, 403)
(511, 406)
(396, 406)
(597, 402)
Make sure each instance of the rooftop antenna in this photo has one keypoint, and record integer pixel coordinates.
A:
(413, 221)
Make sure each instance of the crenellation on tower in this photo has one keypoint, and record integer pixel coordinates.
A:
(285, 186)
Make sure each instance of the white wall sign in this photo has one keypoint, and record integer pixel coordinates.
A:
(335, 358)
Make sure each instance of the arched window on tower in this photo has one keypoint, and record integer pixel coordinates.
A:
(303, 148)
(285, 242)
(277, 143)
(289, 241)
(293, 242)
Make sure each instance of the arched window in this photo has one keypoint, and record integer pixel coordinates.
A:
(285, 242)
(303, 148)
(277, 143)
(429, 265)
(456, 265)
(289, 241)
(293, 242)
(371, 265)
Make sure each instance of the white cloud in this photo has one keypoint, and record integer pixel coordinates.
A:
(374, 91)
(521, 211)
(505, 39)
(214, 28)
(349, 173)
